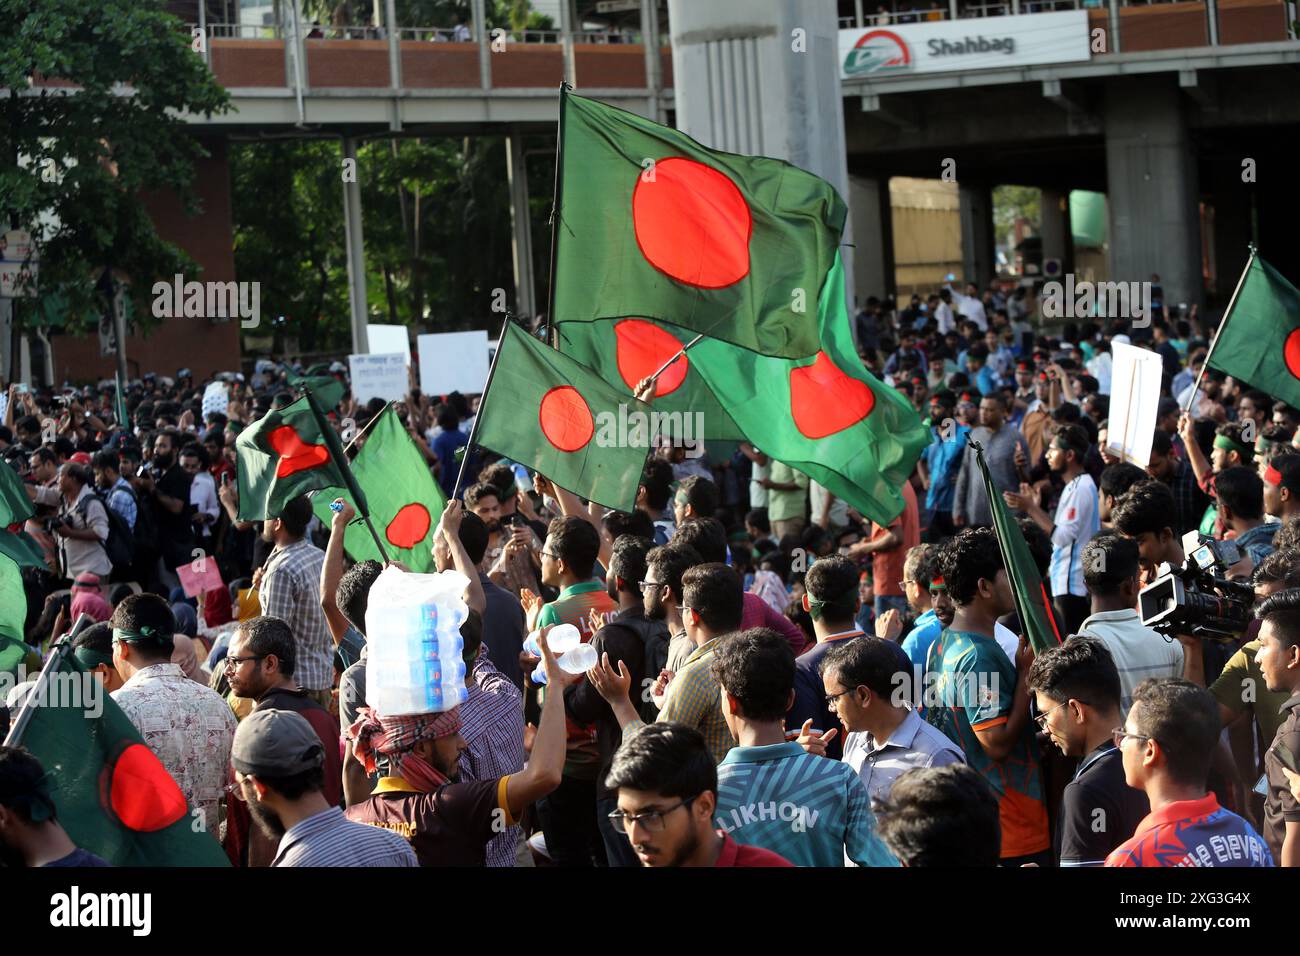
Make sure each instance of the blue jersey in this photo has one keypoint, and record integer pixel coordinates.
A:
(810, 810)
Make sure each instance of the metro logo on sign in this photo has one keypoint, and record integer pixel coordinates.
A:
(878, 51)
(981, 43)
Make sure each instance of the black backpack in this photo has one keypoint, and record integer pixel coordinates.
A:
(120, 544)
(654, 639)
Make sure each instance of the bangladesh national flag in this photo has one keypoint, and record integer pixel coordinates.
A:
(111, 793)
(825, 416)
(281, 456)
(405, 500)
(624, 351)
(547, 411)
(1259, 340)
(15, 506)
(653, 225)
(22, 549)
(1032, 603)
(13, 618)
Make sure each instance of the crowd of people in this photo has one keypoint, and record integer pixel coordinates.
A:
(779, 679)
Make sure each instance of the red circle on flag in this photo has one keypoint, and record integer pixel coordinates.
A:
(824, 400)
(642, 349)
(409, 526)
(1291, 352)
(692, 223)
(565, 418)
(141, 793)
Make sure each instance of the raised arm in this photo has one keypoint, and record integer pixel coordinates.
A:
(332, 570)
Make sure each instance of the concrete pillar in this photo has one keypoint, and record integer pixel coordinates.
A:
(873, 252)
(762, 77)
(1152, 189)
(356, 252)
(394, 60)
(1054, 228)
(975, 204)
(654, 80)
(478, 30)
(567, 25)
(521, 223)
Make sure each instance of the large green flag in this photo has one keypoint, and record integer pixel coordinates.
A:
(22, 549)
(405, 500)
(827, 417)
(13, 617)
(111, 793)
(15, 506)
(544, 410)
(282, 455)
(624, 351)
(1033, 605)
(1259, 340)
(327, 389)
(654, 225)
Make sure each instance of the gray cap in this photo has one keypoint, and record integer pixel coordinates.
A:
(275, 743)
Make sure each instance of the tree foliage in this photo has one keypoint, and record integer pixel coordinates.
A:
(74, 162)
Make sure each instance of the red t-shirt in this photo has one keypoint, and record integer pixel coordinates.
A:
(887, 566)
(740, 854)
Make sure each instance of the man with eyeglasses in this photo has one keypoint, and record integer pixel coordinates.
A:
(1076, 689)
(259, 667)
(1167, 743)
(667, 787)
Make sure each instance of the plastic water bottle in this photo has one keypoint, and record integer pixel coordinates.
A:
(561, 639)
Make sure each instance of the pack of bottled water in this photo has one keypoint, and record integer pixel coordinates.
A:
(414, 657)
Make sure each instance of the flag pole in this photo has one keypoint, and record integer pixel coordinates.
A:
(663, 368)
(62, 647)
(335, 448)
(482, 402)
(556, 192)
(369, 425)
(1227, 313)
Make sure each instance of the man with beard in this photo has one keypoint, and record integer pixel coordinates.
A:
(641, 643)
(278, 760)
(290, 590)
(661, 593)
(667, 786)
(506, 558)
(260, 667)
(30, 832)
(166, 486)
(448, 822)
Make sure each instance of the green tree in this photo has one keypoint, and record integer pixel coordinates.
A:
(74, 165)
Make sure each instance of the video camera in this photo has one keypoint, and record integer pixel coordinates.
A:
(1197, 599)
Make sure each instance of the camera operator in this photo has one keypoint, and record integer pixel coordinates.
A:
(81, 526)
(165, 485)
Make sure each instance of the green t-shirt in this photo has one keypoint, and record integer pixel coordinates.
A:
(1241, 685)
(784, 505)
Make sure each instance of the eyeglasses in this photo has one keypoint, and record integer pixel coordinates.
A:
(549, 554)
(831, 699)
(651, 820)
(235, 790)
(1119, 733)
(1041, 719)
(232, 663)
(648, 585)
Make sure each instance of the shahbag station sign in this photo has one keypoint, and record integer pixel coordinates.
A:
(978, 43)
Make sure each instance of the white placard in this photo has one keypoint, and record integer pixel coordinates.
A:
(215, 398)
(378, 376)
(387, 339)
(975, 43)
(1134, 400)
(453, 362)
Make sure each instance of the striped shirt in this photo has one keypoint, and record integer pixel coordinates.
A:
(290, 590)
(914, 743)
(492, 723)
(1076, 523)
(1139, 652)
(810, 810)
(330, 839)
